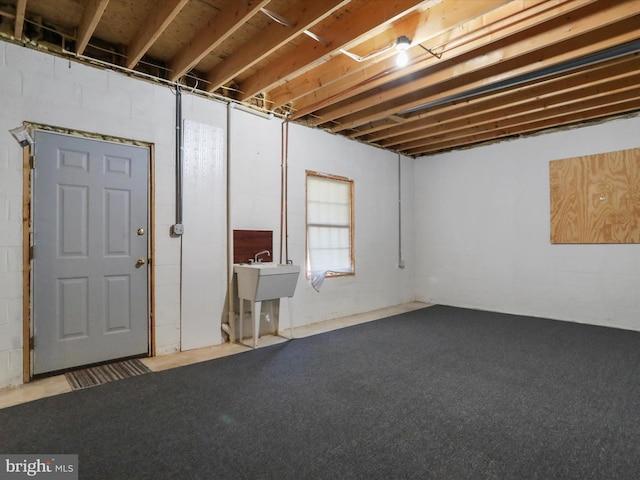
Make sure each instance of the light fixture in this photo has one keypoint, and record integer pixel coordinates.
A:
(22, 136)
(402, 45)
(252, 110)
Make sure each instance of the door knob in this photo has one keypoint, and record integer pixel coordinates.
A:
(141, 231)
(140, 262)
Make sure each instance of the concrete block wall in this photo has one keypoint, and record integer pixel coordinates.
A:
(482, 223)
(55, 91)
(378, 281)
(255, 205)
(10, 261)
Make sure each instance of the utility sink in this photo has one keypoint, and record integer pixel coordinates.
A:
(266, 281)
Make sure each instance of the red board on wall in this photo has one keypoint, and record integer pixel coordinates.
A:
(246, 243)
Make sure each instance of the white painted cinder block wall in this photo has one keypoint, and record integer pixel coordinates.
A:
(53, 91)
(482, 233)
(255, 171)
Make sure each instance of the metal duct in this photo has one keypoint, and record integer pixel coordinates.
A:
(594, 58)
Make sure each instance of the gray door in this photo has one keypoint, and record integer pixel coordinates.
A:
(90, 215)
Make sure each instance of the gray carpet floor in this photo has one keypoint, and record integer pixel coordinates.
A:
(439, 393)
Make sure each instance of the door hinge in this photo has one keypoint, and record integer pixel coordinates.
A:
(31, 343)
(32, 162)
(32, 252)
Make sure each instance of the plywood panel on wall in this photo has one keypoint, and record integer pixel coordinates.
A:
(596, 198)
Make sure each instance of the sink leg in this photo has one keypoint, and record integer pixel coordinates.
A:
(241, 320)
(256, 325)
(290, 316)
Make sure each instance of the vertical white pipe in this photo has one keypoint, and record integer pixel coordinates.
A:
(281, 191)
(286, 192)
(400, 259)
(231, 295)
(179, 156)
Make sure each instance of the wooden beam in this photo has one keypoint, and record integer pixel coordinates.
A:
(453, 45)
(91, 15)
(373, 127)
(157, 22)
(618, 91)
(217, 30)
(340, 75)
(367, 15)
(21, 8)
(601, 111)
(496, 25)
(545, 46)
(303, 17)
(492, 52)
(509, 101)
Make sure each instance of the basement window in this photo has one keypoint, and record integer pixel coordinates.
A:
(329, 225)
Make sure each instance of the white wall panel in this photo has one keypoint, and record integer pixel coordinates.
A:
(482, 233)
(76, 96)
(378, 281)
(204, 239)
(55, 91)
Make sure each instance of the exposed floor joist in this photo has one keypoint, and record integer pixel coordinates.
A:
(478, 70)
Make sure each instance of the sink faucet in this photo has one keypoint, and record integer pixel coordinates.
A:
(255, 259)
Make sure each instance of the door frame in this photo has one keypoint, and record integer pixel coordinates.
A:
(27, 228)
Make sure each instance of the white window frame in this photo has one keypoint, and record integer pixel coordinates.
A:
(327, 270)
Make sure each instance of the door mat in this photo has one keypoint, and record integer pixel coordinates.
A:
(93, 376)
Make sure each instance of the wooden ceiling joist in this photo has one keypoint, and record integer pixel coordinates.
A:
(370, 14)
(271, 39)
(561, 41)
(157, 22)
(553, 122)
(335, 75)
(18, 26)
(479, 70)
(93, 11)
(497, 104)
(583, 99)
(351, 79)
(466, 52)
(219, 28)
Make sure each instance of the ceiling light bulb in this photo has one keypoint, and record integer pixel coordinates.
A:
(403, 43)
(402, 58)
